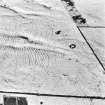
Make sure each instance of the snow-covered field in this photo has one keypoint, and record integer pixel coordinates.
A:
(42, 51)
(92, 10)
